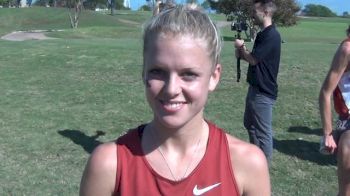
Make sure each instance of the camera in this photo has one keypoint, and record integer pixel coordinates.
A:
(239, 26)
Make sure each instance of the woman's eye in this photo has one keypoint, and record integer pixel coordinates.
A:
(189, 75)
(157, 74)
(155, 71)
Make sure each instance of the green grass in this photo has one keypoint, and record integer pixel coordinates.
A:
(57, 93)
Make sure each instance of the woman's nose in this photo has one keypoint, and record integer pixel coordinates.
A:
(173, 85)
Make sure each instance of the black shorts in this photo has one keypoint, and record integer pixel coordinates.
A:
(342, 126)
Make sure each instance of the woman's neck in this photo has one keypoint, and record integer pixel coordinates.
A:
(180, 138)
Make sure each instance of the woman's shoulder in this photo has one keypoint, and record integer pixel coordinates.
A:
(245, 153)
(104, 157)
(106, 153)
(249, 166)
(242, 151)
(345, 46)
(100, 171)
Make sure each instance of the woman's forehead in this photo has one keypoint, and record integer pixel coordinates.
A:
(182, 38)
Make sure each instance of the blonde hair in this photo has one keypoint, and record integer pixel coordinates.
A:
(185, 20)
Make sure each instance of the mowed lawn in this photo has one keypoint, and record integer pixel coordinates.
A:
(62, 97)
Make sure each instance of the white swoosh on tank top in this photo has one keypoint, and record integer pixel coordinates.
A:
(197, 191)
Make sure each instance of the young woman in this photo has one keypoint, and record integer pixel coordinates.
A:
(178, 152)
(337, 83)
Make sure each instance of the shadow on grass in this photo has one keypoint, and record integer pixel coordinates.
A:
(302, 149)
(305, 130)
(89, 143)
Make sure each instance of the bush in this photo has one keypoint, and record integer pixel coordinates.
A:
(144, 8)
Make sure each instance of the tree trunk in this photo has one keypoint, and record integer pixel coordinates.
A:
(75, 13)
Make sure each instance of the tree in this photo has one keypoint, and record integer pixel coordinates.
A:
(40, 2)
(346, 15)
(116, 4)
(93, 4)
(5, 3)
(285, 15)
(318, 10)
(50, 3)
(205, 5)
(74, 9)
(242, 10)
(144, 8)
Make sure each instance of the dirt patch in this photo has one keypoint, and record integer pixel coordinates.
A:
(129, 22)
(221, 24)
(26, 35)
(40, 34)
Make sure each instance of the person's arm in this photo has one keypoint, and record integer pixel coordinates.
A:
(338, 66)
(243, 53)
(100, 172)
(250, 168)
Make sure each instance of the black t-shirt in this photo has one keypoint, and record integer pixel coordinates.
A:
(267, 51)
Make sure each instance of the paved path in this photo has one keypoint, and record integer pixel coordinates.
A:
(26, 35)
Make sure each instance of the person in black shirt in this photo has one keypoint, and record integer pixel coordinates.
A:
(262, 74)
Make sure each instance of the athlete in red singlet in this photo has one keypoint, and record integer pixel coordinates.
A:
(178, 152)
(337, 83)
(212, 176)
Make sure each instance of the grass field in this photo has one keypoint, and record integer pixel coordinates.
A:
(62, 97)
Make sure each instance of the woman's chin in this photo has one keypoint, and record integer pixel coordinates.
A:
(171, 122)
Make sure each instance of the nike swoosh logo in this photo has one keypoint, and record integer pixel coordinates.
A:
(197, 191)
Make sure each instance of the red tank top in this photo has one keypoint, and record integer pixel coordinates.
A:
(212, 176)
(341, 94)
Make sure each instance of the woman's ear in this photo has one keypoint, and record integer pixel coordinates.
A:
(215, 77)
